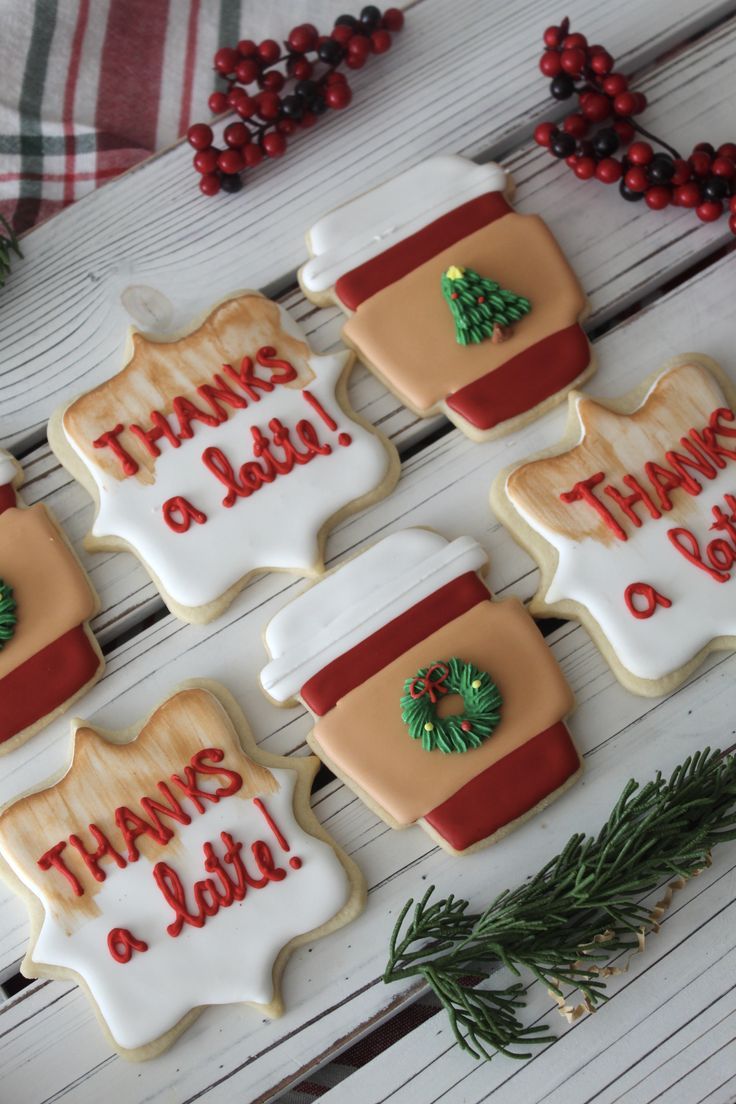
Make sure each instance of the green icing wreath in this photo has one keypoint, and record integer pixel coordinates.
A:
(8, 618)
(458, 731)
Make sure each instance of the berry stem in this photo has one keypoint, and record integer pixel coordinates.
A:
(653, 138)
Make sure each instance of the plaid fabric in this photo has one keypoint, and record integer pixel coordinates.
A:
(92, 87)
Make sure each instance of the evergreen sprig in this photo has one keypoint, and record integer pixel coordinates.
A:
(8, 242)
(665, 829)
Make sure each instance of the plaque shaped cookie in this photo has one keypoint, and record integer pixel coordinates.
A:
(420, 686)
(633, 522)
(456, 302)
(48, 653)
(174, 866)
(226, 452)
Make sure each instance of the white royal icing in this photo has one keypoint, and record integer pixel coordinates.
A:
(357, 600)
(596, 575)
(228, 960)
(276, 527)
(8, 468)
(367, 225)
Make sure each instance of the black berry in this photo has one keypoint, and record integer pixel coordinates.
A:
(562, 87)
(231, 182)
(331, 52)
(715, 187)
(661, 169)
(318, 105)
(292, 107)
(347, 21)
(562, 145)
(370, 16)
(627, 193)
(584, 148)
(606, 142)
(306, 89)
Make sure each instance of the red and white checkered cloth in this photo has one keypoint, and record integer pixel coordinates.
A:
(89, 88)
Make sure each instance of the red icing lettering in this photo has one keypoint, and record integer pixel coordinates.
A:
(260, 805)
(696, 461)
(121, 943)
(131, 826)
(156, 809)
(199, 765)
(651, 597)
(319, 409)
(626, 503)
(216, 755)
(307, 434)
(687, 545)
(187, 413)
(207, 896)
(663, 480)
(583, 492)
(246, 379)
(721, 555)
(722, 414)
(708, 444)
(179, 514)
(110, 440)
(159, 428)
(266, 357)
(92, 858)
(52, 859)
(222, 393)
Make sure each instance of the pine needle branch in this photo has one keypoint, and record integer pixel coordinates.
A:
(579, 912)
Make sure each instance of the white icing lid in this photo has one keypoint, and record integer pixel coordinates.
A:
(367, 225)
(357, 600)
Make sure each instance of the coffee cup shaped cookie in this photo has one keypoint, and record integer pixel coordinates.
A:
(174, 866)
(632, 519)
(48, 653)
(456, 302)
(419, 683)
(224, 452)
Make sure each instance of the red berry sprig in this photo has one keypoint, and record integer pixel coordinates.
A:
(604, 125)
(270, 112)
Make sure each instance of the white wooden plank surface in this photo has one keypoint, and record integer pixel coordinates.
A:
(621, 251)
(445, 485)
(464, 84)
(130, 232)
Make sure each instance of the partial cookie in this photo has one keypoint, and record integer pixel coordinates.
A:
(174, 866)
(456, 302)
(48, 653)
(632, 520)
(433, 702)
(228, 451)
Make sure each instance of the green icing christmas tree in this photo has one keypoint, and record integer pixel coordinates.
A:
(480, 307)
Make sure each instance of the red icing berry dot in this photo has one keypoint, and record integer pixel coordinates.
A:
(200, 136)
(466, 726)
(295, 862)
(344, 439)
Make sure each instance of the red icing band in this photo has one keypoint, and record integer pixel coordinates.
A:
(46, 681)
(508, 789)
(651, 596)
(524, 381)
(7, 497)
(398, 260)
(322, 692)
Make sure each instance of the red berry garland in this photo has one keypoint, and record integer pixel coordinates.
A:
(268, 117)
(705, 181)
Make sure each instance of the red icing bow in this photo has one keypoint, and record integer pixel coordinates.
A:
(433, 683)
